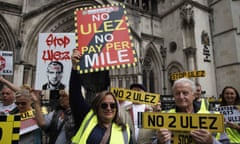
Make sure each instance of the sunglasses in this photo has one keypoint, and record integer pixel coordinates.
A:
(21, 103)
(105, 105)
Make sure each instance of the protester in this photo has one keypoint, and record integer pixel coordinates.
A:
(230, 97)
(30, 133)
(54, 75)
(183, 92)
(58, 124)
(100, 122)
(7, 106)
(8, 97)
(199, 101)
(140, 135)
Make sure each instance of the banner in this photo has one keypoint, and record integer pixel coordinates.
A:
(6, 63)
(189, 74)
(103, 38)
(54, 60)
(9, 129)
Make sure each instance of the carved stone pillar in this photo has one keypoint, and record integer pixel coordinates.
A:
(190, 53)
(187, 25)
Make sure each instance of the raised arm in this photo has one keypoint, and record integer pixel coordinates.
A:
(78, 104)
(9, 84)
(38, 113)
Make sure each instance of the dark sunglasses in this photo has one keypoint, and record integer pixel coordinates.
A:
(105, 105)
(21, 103)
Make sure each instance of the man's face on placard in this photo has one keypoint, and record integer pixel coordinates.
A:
(54, 74)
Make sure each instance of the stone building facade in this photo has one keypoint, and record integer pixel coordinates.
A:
(169, 36)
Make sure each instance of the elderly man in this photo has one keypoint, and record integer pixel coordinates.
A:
(183, 92)
(7, 106)
(7, 96)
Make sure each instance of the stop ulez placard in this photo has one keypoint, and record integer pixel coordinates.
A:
(183, 121)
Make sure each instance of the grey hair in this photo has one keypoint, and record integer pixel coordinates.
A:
(185, 80)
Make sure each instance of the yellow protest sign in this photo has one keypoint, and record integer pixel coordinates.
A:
(9, 129)
(183, 121)
(182, 138)
(178, 75)
(27, 115)
(136, 96)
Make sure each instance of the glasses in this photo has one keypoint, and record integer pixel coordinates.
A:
(21, 103)
(105, 105)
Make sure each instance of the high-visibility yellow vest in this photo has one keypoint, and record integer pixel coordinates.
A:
(233, 135)
(204, 105)
(90, 121)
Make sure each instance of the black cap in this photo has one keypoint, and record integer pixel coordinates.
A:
(138, 86)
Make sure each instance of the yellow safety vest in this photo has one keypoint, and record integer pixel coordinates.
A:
(233, 135)
(89, 123)
(204, 105)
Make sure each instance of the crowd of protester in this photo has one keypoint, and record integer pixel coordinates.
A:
(103, 119)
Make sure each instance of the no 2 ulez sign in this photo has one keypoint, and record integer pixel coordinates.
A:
(136, 96)
(183, 121)
(103, 38)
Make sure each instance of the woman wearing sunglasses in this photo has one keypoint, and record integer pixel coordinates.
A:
(99, 122)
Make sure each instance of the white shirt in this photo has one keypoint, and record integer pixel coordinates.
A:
(125, 103)
(137, 108)
(7, 109)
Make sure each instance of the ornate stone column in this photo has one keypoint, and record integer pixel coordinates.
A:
(190, 53)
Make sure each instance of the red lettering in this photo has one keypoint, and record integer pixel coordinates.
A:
(60, 41)
(55, 55)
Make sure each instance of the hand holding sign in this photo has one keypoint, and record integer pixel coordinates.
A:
(232, 125)
(163, 135)
(201, 136)
(75, 58)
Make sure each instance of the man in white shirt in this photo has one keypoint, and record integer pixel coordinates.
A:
(140, 135)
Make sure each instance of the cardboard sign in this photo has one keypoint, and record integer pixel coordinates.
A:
(136, 96)
(6, 63)
(231, 113)
(54, 47)
(9, 129)
(189, 74)
(103, 38)
(183, 121)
